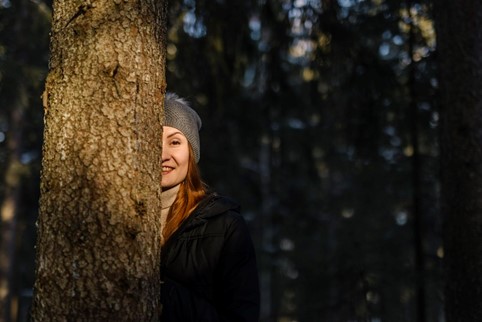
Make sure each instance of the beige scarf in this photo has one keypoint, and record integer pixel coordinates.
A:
(167, 199)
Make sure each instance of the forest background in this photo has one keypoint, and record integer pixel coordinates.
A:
(320, 117)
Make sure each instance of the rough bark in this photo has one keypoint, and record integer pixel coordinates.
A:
(98, 229)
(459, 30)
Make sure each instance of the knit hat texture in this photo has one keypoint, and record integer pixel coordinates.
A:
(179, 115)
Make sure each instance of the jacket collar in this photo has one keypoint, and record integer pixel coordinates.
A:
(211, 206)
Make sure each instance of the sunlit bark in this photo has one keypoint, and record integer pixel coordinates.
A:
(98, 229)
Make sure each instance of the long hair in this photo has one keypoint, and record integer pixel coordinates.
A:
(191, 191)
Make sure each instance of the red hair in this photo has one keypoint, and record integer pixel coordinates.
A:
(191, 191)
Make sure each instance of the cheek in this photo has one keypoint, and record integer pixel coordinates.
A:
(185, 163)
(185, 158)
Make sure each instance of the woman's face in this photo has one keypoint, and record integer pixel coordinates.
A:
(175, 157)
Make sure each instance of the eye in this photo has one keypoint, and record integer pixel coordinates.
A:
(176, 142)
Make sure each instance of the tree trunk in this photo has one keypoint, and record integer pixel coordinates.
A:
(459, 30)
(417, 211)
(98, 230)
(8, 214)
(19, 61)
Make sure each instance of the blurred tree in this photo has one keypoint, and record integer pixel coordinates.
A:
(323, 114)
(319, 148)
(24, 27)
(98, 230)
(459, 38)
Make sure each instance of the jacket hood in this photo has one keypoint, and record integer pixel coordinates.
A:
(211, 206)
(215, 204)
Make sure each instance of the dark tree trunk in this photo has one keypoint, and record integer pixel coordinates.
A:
(9, 213)
(417, 212)
(16, 101)
(459, 30)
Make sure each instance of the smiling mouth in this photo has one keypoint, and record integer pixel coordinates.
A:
(166, 169)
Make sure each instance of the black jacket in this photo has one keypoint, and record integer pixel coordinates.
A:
(208, 267)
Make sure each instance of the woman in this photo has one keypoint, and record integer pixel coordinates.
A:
(208, 263)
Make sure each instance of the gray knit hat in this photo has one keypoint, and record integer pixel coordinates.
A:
(179, 115)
